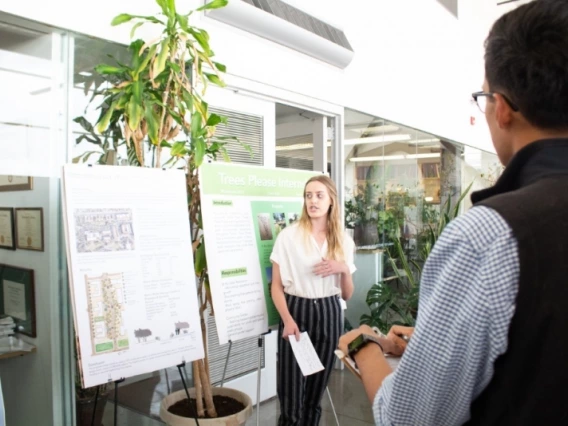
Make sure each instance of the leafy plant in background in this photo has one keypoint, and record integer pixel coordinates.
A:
(395, 299)
(156, 103)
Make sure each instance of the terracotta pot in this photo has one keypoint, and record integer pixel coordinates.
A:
(233, 420)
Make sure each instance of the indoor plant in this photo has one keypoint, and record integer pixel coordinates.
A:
(394, 300)
(157, 103)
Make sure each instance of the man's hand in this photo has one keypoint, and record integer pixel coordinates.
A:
(394, 343)
(398, 337)
(352, 335)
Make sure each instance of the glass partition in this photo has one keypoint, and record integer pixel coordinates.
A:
(400, 185)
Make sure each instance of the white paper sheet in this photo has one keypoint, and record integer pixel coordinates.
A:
(305, 354)
(131, 270)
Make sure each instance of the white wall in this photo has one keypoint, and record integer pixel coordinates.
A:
(34, 380)
(414, 62)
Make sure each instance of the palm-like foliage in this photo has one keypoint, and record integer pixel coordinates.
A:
(156, 103)
(395, 299)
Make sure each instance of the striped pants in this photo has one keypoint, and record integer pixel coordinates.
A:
(300, 397)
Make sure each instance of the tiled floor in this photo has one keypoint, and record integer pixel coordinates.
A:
(351, 404)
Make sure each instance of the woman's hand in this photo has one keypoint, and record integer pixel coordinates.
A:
(330, 267)
(290, 328)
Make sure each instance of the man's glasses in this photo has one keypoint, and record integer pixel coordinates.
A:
(480, 98)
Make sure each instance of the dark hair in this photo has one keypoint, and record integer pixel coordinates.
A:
(526, 59)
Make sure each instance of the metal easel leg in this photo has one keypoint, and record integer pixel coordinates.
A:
(332, 406)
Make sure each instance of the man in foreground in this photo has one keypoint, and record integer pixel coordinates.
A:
(490, 343)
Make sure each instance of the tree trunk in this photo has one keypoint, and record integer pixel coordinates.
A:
(198, 389)
(207, 393)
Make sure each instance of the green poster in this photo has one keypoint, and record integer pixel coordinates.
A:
(269, 219)
(244, 209)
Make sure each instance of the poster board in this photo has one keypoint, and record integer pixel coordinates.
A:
(131, 271)
(244, 208)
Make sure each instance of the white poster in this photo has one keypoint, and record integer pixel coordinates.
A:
(244, 209)
(131, 270)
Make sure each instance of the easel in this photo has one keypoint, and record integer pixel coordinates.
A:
(260, 346)
(116, 382)
(179, 367)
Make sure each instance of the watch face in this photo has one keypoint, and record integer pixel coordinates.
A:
(357, 342)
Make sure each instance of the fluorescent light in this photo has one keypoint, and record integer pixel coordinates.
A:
(425, 141)
(395, 157)
(378, 139)
(384, 128)
(297, 146)
(428, 199)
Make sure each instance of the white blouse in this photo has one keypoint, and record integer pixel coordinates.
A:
(297, 257)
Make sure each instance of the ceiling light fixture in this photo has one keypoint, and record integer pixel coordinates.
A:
(378, 139)
(383, 128)
(297, 146)
(394, 157)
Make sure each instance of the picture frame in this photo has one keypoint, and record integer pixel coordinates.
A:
(16, 183)
(29, 229)
(17, 297)
(7, 229)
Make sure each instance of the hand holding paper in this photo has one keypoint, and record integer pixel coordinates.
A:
(306, 355)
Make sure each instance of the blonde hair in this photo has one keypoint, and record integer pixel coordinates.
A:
(334, 234)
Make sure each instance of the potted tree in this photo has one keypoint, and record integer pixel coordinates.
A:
(157, 102)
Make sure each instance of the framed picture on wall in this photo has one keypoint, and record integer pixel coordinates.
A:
(7, 230)
(29, 229)
(16, 183)
(17, 297)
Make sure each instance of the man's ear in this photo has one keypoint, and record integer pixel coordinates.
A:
(503, 111)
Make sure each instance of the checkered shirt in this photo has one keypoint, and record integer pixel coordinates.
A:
(467, 300)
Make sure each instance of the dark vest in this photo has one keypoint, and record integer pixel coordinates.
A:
(530, 384)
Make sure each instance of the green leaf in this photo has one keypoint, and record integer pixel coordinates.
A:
(225, 154)
(134, 111)
(108, 69)
(220, 67)
(153, 123)
(183, 21)
(121, 102)
(121, 19)
(200, 259)
(142, 66)
(199, 151)
(103, 123)
(175, 67)
(215, 4)
(188, 99)
(82, 121)
(214, 119)
(165, 144)
(178, 148)
(201, 39)
(214, 78)
(196, 125)
(160, 62)
(163, 5)
(135, 27)
(137, 90)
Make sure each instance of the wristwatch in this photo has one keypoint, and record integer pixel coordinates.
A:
(359, 343)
